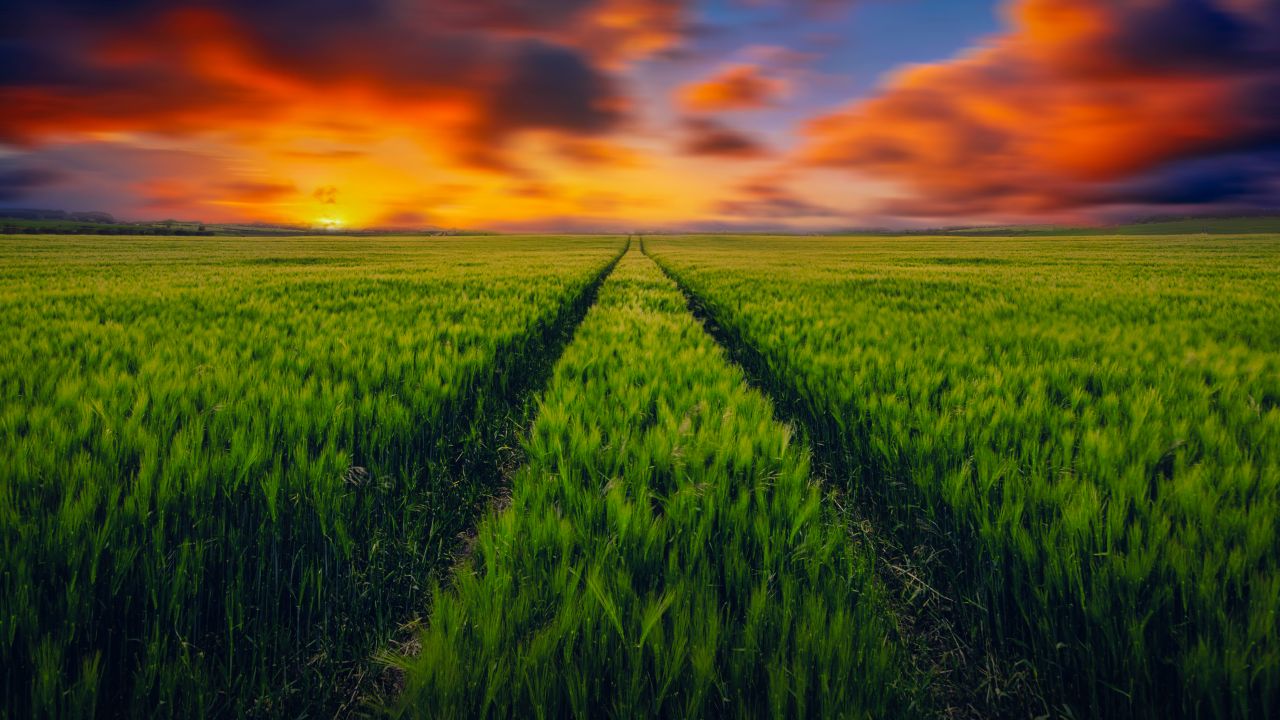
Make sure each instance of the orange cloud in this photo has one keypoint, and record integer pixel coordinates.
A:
(464, 76)
(736, 87)
(255, 192)
(1082, 104)
(374, 103)
(595, 153)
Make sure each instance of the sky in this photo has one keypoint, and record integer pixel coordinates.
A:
(614, 115)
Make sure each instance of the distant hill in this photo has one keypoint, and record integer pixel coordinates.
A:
(1261, 224)
(61, 222)
(62, 215)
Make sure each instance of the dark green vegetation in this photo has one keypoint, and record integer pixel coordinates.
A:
(1089, 428)
(232, 468)
(1171, 226)
(665, 553)
(87, 224)
(56, 222)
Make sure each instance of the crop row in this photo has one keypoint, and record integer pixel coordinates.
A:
(1092, 427)
(232, 467)
(665, 552)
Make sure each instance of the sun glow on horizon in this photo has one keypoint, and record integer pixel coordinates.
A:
(613, 113)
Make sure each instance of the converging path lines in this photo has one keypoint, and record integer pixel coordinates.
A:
(665, 553)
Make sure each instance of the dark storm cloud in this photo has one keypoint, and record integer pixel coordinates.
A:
(513, 14)
(1173, 35)
(769, 199)
(550, 87)
(16, 182)
(1234, 180)
(704, 136)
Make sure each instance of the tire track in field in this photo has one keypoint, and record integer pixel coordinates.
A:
(492, 468)
(761, 585)
(966, 681)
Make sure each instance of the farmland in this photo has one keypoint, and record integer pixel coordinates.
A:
(1091, 428)
(231, 468)
(682, 477)
(665, 549)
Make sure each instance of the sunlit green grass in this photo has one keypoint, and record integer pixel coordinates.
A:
(1092, 425)
(665, 552)
(231, 467)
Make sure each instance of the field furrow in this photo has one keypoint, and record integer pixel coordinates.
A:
(233, 468)
(1084, 435)
(665, 553)
(931, 625)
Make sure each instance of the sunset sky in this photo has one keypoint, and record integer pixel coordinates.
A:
(656, 114)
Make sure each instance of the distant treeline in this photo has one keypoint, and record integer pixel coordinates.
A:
(61, 222)
(29, 214)
(97, 230)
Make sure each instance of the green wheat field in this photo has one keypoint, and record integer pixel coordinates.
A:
(613, 477)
